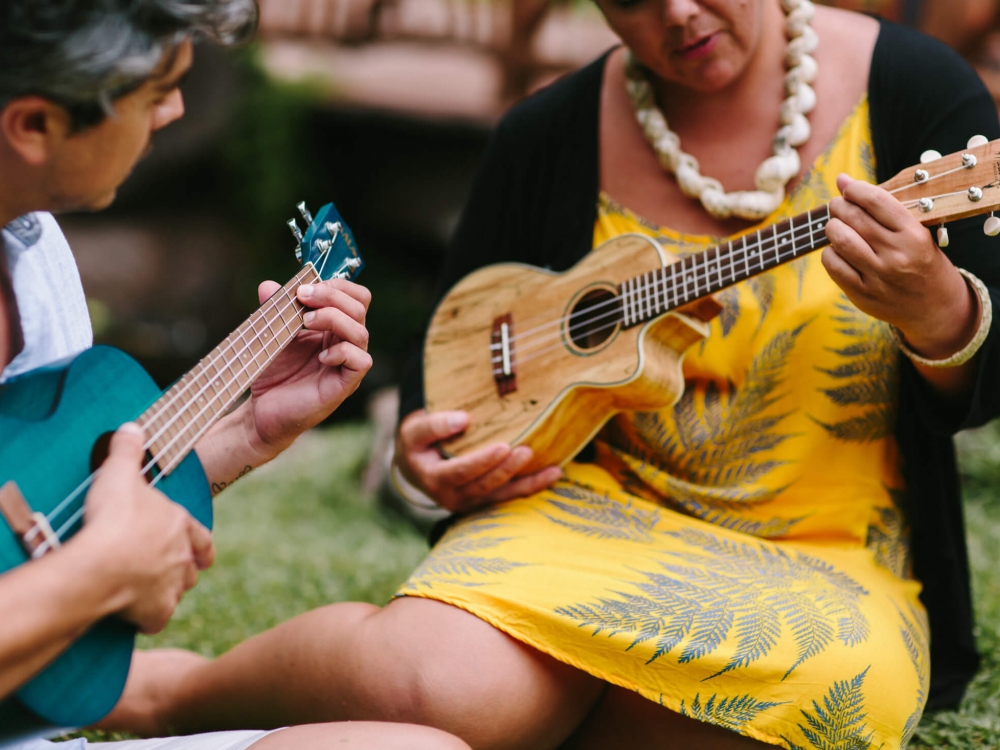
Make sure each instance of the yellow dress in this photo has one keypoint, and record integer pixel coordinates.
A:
(741, 557)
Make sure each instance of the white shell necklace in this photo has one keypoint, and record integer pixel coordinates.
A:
(775, 172)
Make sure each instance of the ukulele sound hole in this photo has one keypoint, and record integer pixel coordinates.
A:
(594, 319)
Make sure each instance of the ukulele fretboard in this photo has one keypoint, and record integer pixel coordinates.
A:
(670, 287)
(185, 412)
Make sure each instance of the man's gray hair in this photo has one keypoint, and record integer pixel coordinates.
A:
(84, 54)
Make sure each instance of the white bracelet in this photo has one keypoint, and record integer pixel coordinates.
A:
(409, 491)
(969, 350)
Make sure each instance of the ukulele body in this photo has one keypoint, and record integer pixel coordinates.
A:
(50, 421)
(566, 380)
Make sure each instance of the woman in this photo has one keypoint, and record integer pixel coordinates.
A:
(739, 562)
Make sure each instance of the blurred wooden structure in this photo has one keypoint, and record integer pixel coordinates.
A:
(507, 31)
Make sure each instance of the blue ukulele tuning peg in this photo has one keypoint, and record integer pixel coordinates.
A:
(305, 212)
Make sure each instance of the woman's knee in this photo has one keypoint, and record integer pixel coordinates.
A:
(443, 667)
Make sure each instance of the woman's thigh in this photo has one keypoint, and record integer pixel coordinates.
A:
(625, 720)
(415, 661)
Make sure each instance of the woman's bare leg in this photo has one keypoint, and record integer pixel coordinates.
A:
(415, 661)
(624, 720)
(369, 735)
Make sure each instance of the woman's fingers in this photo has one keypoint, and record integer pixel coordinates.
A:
(446, 476)
(420, 429)
(883, 207)
(499, 475)
(851, 248)
(527, 485)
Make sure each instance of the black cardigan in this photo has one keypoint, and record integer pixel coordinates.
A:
(535, 201)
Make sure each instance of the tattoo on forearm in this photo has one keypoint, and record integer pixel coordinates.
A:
(218, 487)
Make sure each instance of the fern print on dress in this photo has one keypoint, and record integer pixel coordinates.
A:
(889, 535)
(712, 456)
(461, 561)
(915, 631)
(867, 377)
(586, 512)
(730, 713)
(755, 593)
(839, 724)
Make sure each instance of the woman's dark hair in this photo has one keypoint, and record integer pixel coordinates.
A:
(84, 54)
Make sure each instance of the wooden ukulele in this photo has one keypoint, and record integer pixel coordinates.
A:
(544, 359)
(54, 428)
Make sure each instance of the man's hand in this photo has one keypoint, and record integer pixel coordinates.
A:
(319, 369)
(149, 547)
(484, 477)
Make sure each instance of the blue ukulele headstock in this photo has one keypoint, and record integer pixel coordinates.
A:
(327, 243)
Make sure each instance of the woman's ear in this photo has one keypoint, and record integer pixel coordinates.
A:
(33, 128)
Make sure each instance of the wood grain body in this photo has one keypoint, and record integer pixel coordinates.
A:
(564, 394)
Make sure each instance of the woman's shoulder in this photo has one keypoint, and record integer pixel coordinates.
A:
(572, 100)
(909, 63)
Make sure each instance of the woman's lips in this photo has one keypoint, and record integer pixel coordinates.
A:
(699, 48)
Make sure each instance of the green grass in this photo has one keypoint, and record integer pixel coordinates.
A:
(298, 534)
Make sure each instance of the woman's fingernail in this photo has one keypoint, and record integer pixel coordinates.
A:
(307, 290)
(131, 428)
(456, 421)
(309, 317)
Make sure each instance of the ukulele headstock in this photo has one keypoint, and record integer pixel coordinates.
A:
(327, 244)
(945, 188)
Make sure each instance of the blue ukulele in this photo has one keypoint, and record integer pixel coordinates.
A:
(54, 428)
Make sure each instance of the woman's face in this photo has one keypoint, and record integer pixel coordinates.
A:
(703, 45)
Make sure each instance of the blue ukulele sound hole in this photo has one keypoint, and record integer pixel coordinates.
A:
(594, 319)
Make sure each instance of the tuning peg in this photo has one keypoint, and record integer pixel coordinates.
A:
(333, 228)
(942, 236)
(305, 212)
(929, 155)
(296, 232)
(978, 140)
(992, 226)
(324, 246)
(353, 263)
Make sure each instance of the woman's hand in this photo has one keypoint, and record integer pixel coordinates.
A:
(889, 267)
(483, 477)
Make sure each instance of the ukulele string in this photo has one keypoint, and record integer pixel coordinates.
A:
(538, 353)
(758, 246)
(928, 180)
(86, 483)
(204, 365)
(702, 275)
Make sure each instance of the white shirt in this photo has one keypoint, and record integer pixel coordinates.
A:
(50, 300)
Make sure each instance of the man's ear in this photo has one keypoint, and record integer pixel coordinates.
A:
(34, 127)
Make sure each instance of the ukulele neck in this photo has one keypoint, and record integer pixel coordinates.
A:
(670, 287)
(185, 412)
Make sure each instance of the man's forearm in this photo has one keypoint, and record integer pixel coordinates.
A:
(47, 604)
(226, 452)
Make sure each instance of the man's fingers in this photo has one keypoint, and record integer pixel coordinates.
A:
(201, 545)
(126, 446)
(266, 289)
(421, 429)
(339, 323)
(327, 295)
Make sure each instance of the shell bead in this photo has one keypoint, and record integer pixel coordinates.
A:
(776, 171)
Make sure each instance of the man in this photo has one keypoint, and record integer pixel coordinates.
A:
(83, 86)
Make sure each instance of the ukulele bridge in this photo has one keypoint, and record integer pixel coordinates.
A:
(502, 355)
(33, 529)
